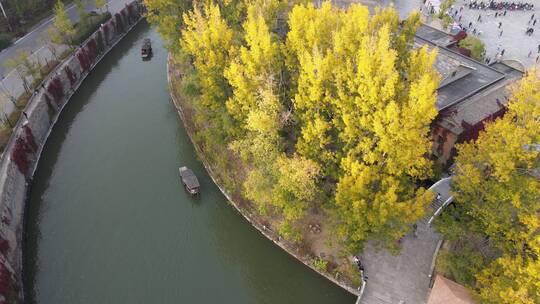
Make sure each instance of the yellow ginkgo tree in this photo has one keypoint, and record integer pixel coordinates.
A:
(497, 195)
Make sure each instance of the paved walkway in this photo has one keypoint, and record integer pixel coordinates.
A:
(406, 277)
(513, 40)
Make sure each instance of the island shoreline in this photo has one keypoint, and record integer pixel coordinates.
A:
(177, 102)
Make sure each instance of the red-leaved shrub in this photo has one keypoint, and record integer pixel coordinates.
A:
(30, 140)
(71, 76)
(19, 156)
(119, 23)
(56, 90)
(83, 60)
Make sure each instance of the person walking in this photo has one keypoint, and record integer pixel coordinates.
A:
(534, 22)
(479, 18)
(532, 16)
(500, 34)
(539, 48)
(496, 13)
(470, 24)
(459, 19)
(500, 24)
(537, 58)
(504, 13)
(502, 53)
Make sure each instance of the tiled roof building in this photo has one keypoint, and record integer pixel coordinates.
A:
(470, 93)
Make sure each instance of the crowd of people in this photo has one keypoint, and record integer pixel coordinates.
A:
(469, 25)
(501, 5)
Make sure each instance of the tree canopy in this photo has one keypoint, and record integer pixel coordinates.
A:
(497, 194)
(327, 108)
(62, 30)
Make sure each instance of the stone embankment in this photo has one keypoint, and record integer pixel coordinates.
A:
(21, 155)
(250, 217)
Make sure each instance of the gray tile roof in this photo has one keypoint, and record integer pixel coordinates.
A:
(470, 91)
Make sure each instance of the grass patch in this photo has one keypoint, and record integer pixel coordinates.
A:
(65, 54)
(23, 100)
(46, 69)
(14, 116)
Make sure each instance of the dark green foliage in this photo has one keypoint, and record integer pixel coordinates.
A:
(94, 22)
(5, 40)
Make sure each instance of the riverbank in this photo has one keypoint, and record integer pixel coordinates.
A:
(188, 116)
(21, 156)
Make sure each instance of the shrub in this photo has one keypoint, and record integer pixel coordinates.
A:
(320, 264)
(5, 40)
(287, 231)
(30, 140)
(84, 60)
(71, 76)
(91, 46)
(446, 21)
(460, 266)
(84, 31)
(106, 33)
(99, 42)
(119, 23)
(23, 100)
(51, 109)
(65, 54)
(13, 117)
(445, 5)
(19, 155)
(47, 68)
(56, 90)
(190, 85)
(475, 45)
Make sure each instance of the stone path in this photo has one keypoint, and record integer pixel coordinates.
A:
(513, 40)
(405, 277)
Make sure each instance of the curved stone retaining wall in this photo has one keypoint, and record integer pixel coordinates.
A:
(21, 155)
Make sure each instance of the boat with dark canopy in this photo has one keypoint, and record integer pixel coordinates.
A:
(190, 181)
(146, 49)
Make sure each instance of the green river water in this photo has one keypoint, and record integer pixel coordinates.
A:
(108, 222)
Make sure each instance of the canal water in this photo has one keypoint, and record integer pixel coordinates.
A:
(108, 222)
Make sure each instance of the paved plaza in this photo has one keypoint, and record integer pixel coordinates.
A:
(515, 43)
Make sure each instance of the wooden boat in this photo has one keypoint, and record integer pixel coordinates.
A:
(189, 180)
(146, 49)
